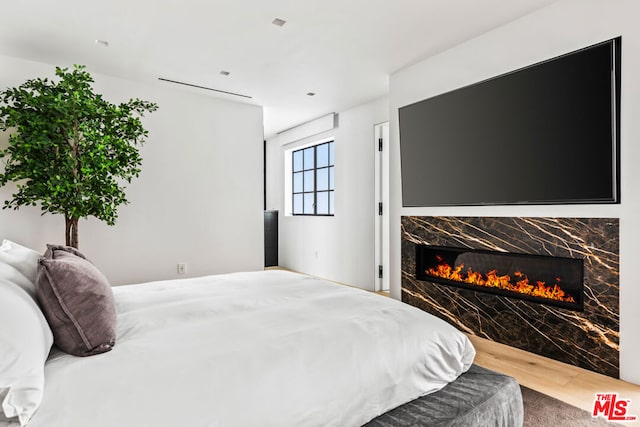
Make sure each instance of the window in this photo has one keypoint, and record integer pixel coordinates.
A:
(312, 180)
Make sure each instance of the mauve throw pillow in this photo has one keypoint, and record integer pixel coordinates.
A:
(77, 301)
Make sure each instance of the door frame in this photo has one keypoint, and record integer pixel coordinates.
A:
(381, 195)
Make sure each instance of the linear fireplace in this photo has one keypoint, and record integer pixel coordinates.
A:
(589, 338)
(555, 281)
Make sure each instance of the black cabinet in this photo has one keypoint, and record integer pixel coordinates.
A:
(270, 238)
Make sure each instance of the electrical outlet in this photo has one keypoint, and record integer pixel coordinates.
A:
(182, 267)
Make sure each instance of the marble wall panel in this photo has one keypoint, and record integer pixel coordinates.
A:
(588, 339)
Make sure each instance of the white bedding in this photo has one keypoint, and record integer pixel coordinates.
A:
(262, 349)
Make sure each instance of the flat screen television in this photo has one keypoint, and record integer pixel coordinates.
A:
(543, 134)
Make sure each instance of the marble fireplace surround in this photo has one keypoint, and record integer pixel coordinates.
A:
(588, 339)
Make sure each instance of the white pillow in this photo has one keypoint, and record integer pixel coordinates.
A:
(19, 264)
(25, 336)
(25, 340)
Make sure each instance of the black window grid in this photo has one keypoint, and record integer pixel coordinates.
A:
(330, 189)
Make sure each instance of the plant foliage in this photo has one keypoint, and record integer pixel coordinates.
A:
(70, 150)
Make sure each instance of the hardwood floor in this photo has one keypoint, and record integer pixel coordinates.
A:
(568, 383)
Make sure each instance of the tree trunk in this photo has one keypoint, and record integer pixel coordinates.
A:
(71, 232)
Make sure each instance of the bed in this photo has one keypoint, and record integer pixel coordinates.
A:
(272, 348)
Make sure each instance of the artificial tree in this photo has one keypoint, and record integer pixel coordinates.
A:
(70, 150)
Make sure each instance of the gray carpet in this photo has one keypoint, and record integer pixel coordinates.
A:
(541, 410)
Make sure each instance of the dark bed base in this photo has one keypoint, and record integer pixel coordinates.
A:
(479, 398)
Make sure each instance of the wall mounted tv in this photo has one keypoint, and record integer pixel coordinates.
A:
(543, 134)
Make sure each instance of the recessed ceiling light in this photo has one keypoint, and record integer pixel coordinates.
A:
(102, 43)
(311, 94)
(279, 22)
(224, 73)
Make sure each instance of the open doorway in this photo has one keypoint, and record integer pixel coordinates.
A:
(381, 210)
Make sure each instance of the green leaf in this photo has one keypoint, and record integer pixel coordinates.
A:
(69, 149)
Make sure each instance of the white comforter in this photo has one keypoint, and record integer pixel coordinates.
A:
(253, 349)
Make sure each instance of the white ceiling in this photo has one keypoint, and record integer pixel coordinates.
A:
(343, 50)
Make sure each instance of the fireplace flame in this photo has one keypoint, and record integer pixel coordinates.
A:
(492, 279)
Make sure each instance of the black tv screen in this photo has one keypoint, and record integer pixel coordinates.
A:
(544, 134)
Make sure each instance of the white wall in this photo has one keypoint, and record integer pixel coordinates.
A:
(339, 248)
(560, 28)
(198, 199)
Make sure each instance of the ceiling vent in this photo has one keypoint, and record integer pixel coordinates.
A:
(203, 87)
